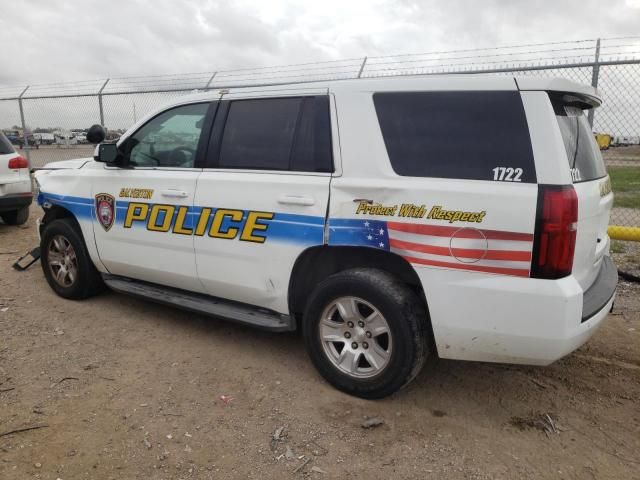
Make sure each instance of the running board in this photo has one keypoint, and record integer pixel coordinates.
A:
(195, 302)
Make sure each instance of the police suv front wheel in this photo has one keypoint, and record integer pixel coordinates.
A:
(65, 261)
(365, 332)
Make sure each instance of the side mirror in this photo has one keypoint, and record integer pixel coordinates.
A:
(96, 134)
(108, 153)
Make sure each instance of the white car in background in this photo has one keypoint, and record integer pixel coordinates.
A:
(15, 184)
(65, 138)
(45, 138)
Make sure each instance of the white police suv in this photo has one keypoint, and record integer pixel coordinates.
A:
(388, 219)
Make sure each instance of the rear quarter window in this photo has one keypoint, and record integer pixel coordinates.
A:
(583, 154)
(476, 135)
(5, 145)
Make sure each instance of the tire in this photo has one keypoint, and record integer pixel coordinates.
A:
(62, 239)
(16, 217)
(370, 294)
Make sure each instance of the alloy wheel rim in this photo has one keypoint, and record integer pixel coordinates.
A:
(355, 337)
(62, 261)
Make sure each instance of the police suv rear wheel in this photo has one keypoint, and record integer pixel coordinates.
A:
(65, 261)
(365, 332)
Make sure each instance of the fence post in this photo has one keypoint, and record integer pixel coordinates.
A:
(206, 87)
(594, 77)
(24, 127)
(100, 102)
(362, 67)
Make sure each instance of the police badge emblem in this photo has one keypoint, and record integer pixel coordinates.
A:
(105, 210)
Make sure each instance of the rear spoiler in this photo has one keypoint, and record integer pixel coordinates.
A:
(570, 93)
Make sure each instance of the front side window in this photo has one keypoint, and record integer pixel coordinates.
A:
(168, 140)
(277, 134)
(476, 135)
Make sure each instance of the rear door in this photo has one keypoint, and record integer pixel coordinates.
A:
(143, 219)
(447, 179)
(263, 197)
(592, 186)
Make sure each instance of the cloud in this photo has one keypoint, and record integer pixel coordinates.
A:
(45, 42)
(65, 40)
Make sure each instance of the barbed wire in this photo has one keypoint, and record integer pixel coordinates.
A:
(509, 56)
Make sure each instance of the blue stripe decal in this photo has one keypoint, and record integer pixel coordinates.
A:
(304, 230)
(359, 232)
(79, 206)
(297, 229)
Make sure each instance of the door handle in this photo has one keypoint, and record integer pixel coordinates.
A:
(174, 193)
(296, 200)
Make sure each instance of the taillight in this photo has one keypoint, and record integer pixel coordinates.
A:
(555, 237)
(18, 162)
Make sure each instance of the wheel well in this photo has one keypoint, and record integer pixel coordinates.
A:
(317, 263)
(56, 212)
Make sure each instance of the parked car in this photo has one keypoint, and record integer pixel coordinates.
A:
(65, 138)
(80, 135)
(18, 139)
(388, 219)
(45, 138)
(15, 184)
(625, 140)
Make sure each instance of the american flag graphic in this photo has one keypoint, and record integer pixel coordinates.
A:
(462, 248)
(376, 234)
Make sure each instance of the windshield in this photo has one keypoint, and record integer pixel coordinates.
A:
(583, 154)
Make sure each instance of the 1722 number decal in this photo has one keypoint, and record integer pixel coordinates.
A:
(507, 174)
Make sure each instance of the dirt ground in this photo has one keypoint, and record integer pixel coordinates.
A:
(126, 389)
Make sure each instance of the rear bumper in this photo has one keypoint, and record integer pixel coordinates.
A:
(15, 202)
(494, 318)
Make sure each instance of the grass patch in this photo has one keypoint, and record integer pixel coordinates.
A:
(625, 182)
(617, 246)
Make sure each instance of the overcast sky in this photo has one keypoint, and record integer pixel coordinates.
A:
(56, 40)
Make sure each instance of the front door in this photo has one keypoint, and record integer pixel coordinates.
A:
(143, 219)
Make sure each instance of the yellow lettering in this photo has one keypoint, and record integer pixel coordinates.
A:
(231, 232)
(152, 223)
(202, 221)
(179, 227)
(135, 211)
(363, 207)
(455, 216)
(252, 225)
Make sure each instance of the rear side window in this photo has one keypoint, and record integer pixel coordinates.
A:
(277, 134)
(585, 160)
(477, 135)
(5, 145)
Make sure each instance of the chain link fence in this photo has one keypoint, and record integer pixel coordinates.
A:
(49, 121)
